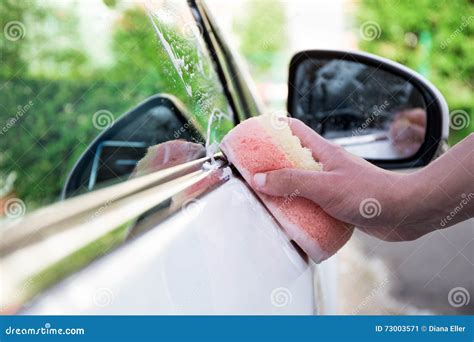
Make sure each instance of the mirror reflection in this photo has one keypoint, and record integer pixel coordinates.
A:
(371, 112)
(114, 155)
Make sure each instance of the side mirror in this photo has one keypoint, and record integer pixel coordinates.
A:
(112, 156)
(375, 108)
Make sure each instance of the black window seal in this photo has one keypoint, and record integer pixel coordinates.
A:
(237, 89)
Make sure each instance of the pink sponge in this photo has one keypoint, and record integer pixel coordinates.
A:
(266, 143)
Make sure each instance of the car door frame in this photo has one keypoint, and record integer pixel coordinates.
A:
(237, 85)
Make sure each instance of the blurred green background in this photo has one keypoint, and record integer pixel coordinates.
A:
(433, 37)
(66, 86)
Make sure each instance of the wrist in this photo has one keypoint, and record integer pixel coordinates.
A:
(414, 191)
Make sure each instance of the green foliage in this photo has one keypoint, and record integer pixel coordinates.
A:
(434, 37)
(50, 89)
(262, 33)
(15, 33)
(49, 137)
(110, 3)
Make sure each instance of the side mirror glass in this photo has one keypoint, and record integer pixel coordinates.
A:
(375, 108)
(113, 155)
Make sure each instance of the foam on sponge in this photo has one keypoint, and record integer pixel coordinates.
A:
(266, 143)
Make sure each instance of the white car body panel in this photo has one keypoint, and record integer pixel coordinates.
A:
(224, 255)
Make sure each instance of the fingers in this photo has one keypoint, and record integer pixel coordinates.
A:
(178, 151)
(308, 137)
(194, 151)
(309, 184)
(320, 147)
(415, 115)
(168, 154)
(407, 140)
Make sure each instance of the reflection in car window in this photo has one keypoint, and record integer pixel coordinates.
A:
(70, 69)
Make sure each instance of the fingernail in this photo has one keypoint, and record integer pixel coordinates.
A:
(259, 179)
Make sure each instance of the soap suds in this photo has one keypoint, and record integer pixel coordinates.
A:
(226, 173)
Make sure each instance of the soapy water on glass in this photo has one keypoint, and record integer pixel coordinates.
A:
(202, 97)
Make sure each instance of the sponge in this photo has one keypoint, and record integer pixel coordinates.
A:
(266, 143)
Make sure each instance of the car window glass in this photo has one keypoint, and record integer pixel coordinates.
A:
(70, 69)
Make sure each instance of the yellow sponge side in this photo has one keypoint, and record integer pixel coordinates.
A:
(280, 131)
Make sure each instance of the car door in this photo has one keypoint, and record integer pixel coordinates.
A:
(191, 239)
(221, 254)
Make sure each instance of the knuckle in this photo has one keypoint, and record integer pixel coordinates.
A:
(338, 149)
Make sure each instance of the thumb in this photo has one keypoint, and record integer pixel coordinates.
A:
(284, 182)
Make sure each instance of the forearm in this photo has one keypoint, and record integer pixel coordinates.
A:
(442, 193)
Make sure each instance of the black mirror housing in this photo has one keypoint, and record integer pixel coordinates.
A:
(113, 154)
(374, 107)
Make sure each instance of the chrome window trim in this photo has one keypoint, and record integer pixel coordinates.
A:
(44, 247)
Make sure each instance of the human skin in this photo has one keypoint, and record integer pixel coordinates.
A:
(407, 131)
(168, 154)
(392, 206)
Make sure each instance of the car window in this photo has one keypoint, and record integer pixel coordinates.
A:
(70, 69)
